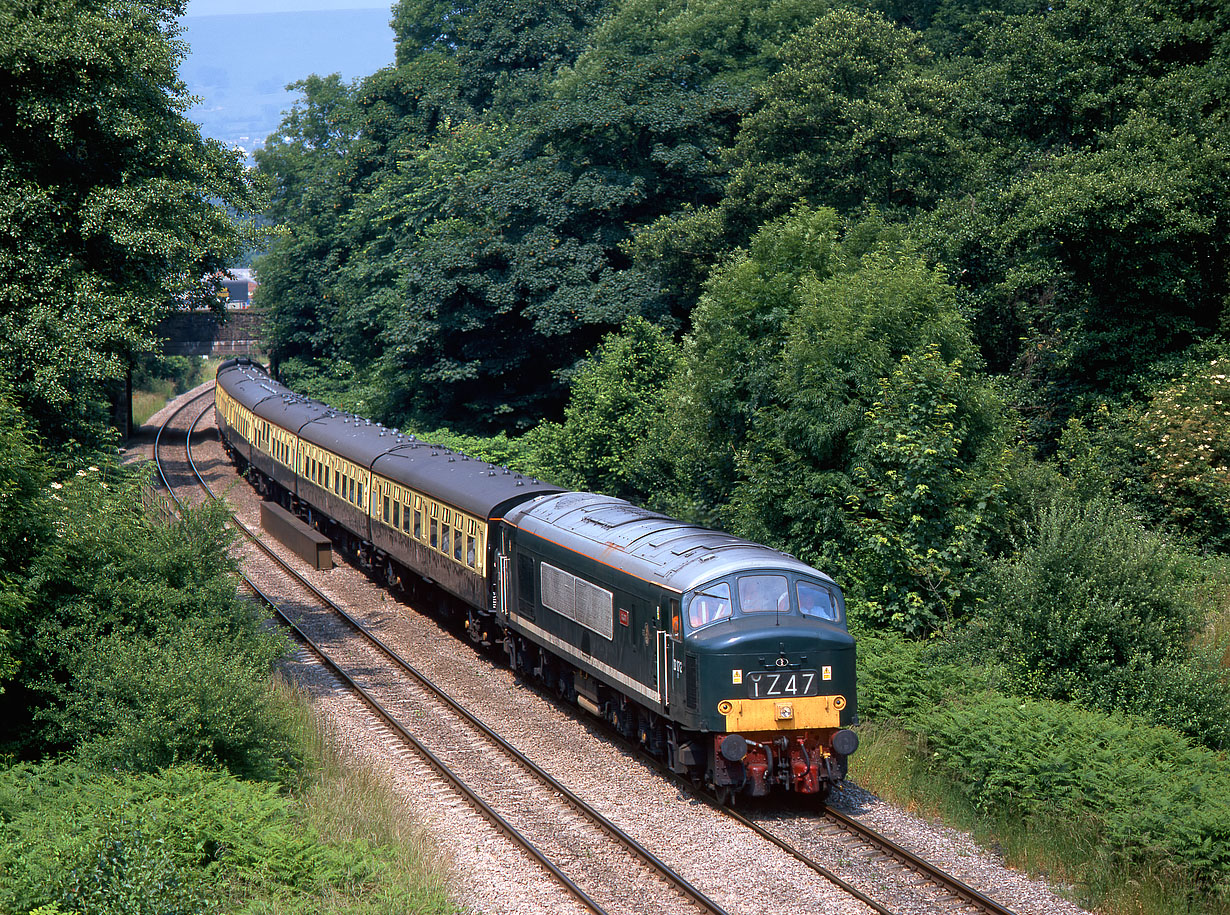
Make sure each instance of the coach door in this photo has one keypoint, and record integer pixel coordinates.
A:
(503, 566)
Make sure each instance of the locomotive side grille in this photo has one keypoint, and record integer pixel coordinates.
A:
(689, 680)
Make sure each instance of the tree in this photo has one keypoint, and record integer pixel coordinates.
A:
(306, 164)
(830, 404)
(1091, 245)
(113, 209)
(503, 50)
(616, 398)
(1095, 264)
(853, 117)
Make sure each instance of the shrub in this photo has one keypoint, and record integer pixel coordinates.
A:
(1150, 795)
(898, 677)
(183, 840)
(1098, 609)
(617, 396)
(188, 696)
(131, 624)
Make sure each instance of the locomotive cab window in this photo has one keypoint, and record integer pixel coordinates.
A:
(710, 604)
(818, 601)
(763, 594)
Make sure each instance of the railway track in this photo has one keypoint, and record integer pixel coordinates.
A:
(571, 840)
(944, 891)
(932, 888)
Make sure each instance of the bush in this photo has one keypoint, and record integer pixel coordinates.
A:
(1142, 795)
(143, 705)
(130, 625)
(1098, 609)
(184, 840)
(1150, 796)
(899, 677)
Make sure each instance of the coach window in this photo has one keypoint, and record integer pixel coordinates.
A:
(444, 538)
(435, 532)
(385, 517)
(470, 552)
(359, 499)
(350, 484)
(396, 514)
(457, 545)
(418, 518)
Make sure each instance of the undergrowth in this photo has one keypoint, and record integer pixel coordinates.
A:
(1133, 818)
(194, 840)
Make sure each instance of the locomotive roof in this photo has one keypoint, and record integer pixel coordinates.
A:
(646, 544)
(465, 483)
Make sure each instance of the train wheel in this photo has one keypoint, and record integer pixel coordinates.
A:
(726, 794)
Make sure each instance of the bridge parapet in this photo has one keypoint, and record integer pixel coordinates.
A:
(199, 333)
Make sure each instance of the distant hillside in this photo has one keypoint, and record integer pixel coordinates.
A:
(240, 65)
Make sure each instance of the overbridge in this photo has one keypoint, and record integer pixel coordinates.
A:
(201, 333)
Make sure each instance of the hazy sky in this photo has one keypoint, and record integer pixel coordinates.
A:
(227, 7)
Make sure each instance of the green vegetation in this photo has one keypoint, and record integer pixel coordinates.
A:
(934, 296)
(1102, 801)
(156, 379)
(113, 209)
(187, 839)
(147, 762)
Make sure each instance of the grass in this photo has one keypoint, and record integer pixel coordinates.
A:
(896, 765)
(149, 400)
(346, 804)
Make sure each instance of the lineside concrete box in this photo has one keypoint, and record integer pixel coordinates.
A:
(307, 543)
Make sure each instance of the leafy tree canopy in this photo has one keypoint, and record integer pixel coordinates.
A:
(113, 209)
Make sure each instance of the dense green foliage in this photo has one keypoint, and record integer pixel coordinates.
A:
(1142, 795)
(113, 209)
(184, 840)
(134, 680)
(1097, 609)
(934, 295)
(134, 647)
